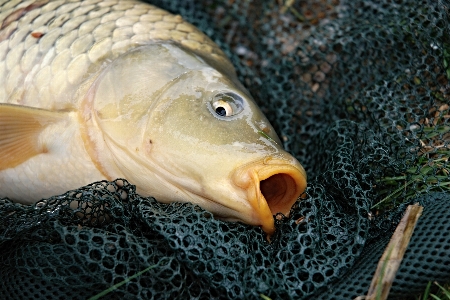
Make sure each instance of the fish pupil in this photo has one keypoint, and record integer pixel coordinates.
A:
(221, 111)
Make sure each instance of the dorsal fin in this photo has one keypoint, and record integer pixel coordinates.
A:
(20, 127)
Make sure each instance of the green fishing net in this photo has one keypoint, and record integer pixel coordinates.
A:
(357, 90)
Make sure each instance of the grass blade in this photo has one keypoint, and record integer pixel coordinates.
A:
(117, 285)
(426, 293)
(444, 290)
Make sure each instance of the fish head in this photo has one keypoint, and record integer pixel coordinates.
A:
(182, 130)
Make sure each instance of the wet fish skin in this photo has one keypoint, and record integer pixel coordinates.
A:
(76, 106)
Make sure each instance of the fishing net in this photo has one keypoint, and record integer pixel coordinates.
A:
(357, 91)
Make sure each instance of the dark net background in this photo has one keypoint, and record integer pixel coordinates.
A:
(359, 93)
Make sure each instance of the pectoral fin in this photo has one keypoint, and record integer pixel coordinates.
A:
(20, 127)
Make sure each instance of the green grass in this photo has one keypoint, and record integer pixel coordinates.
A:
(427, 175)
(442, 294)
(112, 288)
(430, 172)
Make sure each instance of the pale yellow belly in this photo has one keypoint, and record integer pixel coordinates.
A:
(65, 165)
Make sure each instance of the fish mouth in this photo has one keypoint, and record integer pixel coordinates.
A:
(273, 185)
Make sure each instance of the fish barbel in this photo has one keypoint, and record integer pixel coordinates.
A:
(93, 90)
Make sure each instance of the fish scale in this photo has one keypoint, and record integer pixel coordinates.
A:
(92, 31)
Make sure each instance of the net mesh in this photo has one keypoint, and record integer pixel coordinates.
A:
(357, 91)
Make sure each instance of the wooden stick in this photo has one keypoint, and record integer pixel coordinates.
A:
(393, 255)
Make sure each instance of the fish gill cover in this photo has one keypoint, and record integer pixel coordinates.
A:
(357, 90)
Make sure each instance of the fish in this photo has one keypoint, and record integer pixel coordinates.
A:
(97, 90)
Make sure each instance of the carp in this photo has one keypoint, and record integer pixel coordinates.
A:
(94, 90)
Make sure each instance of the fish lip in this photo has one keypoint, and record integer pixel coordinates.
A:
(259, 178)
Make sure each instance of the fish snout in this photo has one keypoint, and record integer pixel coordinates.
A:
(272, 185)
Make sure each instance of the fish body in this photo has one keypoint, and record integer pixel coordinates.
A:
(93, 90)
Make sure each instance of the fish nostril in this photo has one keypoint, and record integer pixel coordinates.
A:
(280, 192)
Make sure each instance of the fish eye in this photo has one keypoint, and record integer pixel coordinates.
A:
(223, 108)
(227, 104)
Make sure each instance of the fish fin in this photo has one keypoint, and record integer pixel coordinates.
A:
(20, 127)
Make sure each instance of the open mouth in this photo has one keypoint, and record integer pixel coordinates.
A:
(280, 192)
(273, 186)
